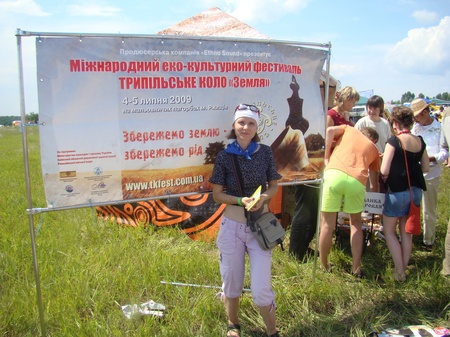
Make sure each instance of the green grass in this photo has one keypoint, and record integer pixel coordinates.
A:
(89, 268)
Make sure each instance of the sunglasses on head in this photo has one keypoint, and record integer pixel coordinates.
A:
(250, 107)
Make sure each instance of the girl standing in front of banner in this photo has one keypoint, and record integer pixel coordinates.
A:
(235, 239)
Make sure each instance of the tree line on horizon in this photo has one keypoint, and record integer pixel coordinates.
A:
(409, 97)
(31, 118)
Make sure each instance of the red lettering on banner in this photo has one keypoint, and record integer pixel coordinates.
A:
(172, 66)
(237, 82)
(113, 66)
(203, 66)
(195, 151)
(144, 137)
(153, 153)
(271, 67)
(213, 82)
(134, 83)
(204, 133)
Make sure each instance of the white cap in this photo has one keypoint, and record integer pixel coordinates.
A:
(247, 110)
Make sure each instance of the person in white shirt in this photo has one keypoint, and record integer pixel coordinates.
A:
(375, 109)
(445, 141)
(374, 120)
(430, 130)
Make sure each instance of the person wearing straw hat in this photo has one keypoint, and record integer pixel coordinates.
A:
(430, 130)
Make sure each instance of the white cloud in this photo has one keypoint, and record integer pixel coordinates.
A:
(27, 7)
(92, 9)
(425, 17)
(262, 10)
(341, 70)
(423, 51)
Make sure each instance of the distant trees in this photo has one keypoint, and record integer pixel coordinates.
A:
(7, 120)
(409, 97)
(32, 118)
(445, 96)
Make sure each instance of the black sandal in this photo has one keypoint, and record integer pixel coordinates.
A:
(276, 334)
(233, 330)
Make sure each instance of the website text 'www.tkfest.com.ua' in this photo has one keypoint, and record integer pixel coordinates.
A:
(163, 183)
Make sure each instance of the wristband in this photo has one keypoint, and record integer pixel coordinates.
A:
(240, 202)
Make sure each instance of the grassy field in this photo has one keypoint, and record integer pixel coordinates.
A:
(89, 268)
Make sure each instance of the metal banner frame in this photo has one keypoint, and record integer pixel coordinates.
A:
(31, 210)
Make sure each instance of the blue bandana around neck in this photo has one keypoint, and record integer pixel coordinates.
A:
(234, 148)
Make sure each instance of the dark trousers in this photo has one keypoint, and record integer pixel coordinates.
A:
(304, 220)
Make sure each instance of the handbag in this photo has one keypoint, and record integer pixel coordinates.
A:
(268, 231)
(413, 225)
(266, 228)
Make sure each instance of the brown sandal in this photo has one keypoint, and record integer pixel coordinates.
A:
(233, 330)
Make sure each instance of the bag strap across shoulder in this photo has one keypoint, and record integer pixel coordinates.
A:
(240, 185)
(407, 169)
(237, 173)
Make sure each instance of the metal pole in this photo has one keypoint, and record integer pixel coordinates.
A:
(198, 285)
(327, 82)
(169, 37)
(28, 186)
(325, 106)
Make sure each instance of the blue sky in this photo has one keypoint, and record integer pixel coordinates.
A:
(388, 46)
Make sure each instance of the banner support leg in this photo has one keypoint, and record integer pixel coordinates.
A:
(28, 185)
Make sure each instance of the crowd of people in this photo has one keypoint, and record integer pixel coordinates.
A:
(402, 157)
(411, 142)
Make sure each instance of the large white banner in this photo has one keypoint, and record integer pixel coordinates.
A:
(141, 117)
